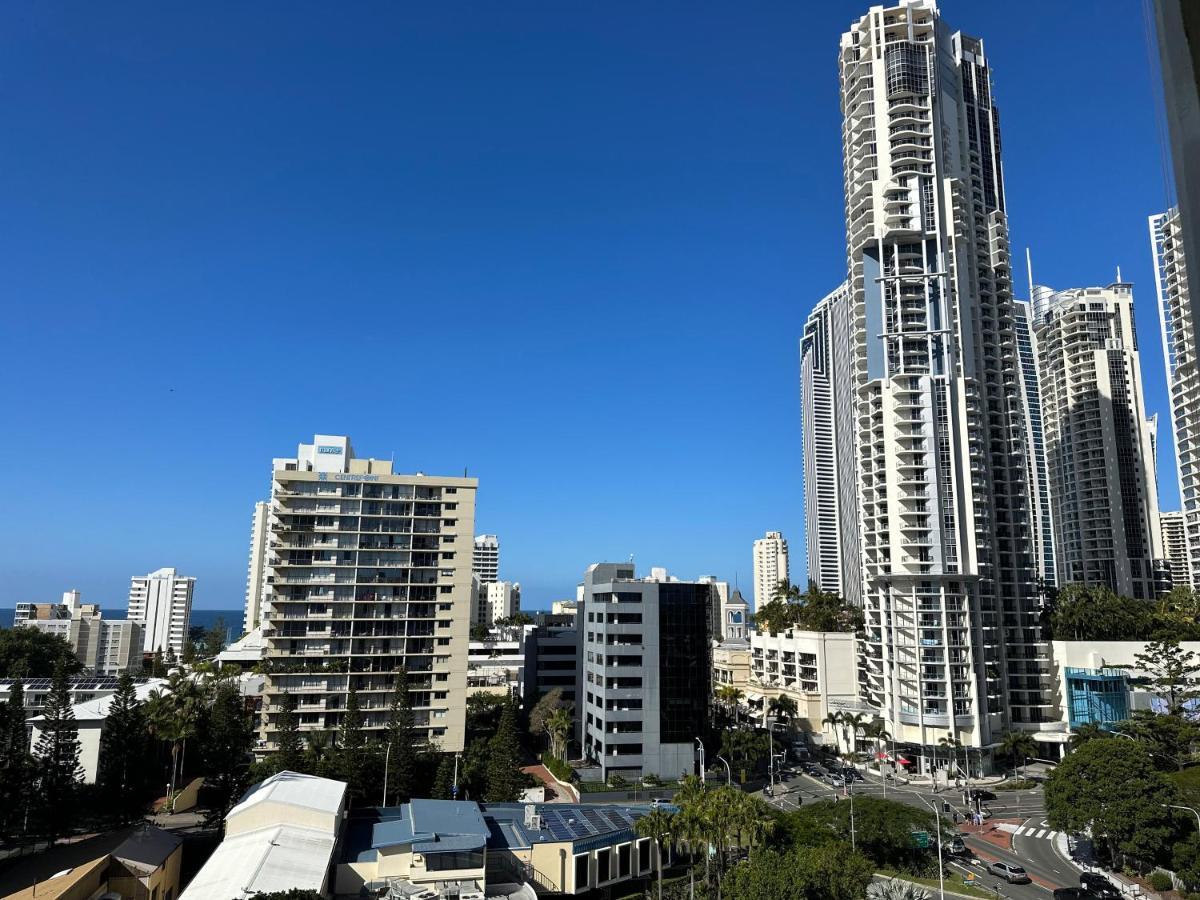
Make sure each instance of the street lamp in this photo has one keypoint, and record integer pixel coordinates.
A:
(1190, 809)
(728, 771)
(938, 820)
(701, 745)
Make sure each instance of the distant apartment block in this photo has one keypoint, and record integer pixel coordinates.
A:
(1098, 441)
(1179, 341)
(827, 432)
(645, 685)
(495, 601)
(256, 574)
(555, 655)
(368, 572)
(486, 563)
(770, 566)
(102, 646)
(1175, 548)
(161, 603)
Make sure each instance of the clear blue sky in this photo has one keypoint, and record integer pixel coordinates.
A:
(567, 245)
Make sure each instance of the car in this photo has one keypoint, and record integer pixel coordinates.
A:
(956, 847)
(813, 769)
(1011, 873)
(853, 775)
(976, 794)
(1098, 885)
(836, 781)
(1069, 893)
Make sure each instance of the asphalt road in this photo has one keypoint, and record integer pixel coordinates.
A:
(1036, 855)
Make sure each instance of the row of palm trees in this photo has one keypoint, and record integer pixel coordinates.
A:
(715, 821)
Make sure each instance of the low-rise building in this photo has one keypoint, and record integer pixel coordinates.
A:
(280, 836)
(498, 663)
(555, 655)
(90, 718)
(446, 848)
(81, 687)
(818, 670)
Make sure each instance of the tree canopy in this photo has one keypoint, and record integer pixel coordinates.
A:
(811, 610)
(830, 871)
(1082, 612)
(29, 653)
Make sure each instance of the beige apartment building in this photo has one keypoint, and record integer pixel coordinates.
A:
(368, 571)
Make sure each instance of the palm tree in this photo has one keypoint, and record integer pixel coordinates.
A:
(952, 745)
(558, 726)
(731, 696)
(834, 720)
(657, 825)
(783, 707)
(877, 732)
(895, 889)
(172, 715)
(851, 723)
(787, 592)
(1017, 745)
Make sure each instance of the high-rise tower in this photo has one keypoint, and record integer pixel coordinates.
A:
(1099, 443)
(770, 566)
(828, 443)
(953, 646)
(1035, 440)
(1183, 373)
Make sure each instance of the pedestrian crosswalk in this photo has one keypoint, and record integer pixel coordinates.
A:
(1031, 831)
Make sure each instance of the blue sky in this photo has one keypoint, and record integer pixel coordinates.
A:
(568, 246)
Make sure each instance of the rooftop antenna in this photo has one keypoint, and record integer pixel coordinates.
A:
(1029, 269)
(1118, 274)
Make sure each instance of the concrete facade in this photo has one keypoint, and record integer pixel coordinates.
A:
(161, 603)
(770, 566)
(486, 563)
(816, 669)
(1099, 445)
(256, 569)
(1035, 439)
(645, 688)
(368, 570)
(102, 646)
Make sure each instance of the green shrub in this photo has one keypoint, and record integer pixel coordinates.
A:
(558, 768)
(1161, 881)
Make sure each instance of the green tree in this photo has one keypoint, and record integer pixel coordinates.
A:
(16, 764)
(57, 753)
(352, 747)
(1083, 612)
(289, 756)
(1172, 670)
(402, 757)
(1017, 746)
(158, 668)
(744, 749)
(1088, 731)
(215, 637)
(173, 714)
(29, 653)
(443, 781)
(124, 746)
(225, 744)
(783, 707)
(882, 828)
(1112, 788)
(825, 611)
(546, 706)
(1168, 738)
(504, 777)
(657, 825)
(189, 652)
(825, 872)
(558, 726)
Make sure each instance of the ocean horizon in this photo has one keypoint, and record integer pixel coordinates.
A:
(200, 617)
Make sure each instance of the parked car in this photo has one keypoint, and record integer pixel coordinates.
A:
(1098, 885)
(851, 774)
(812, 769)
(956, 847)
(1069, 893)
(1009, 872)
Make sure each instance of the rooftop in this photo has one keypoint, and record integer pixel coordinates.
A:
(97, 709)
(277, 858)
(293, 789)
(147, 847)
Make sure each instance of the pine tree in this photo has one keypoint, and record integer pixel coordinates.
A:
(288, 752)
(158, 669)
(351, 746)
(504, 778)
(443, 781)
(226, 741)
(57, 752)
(124, 743)
(402, 759)
(16, 765)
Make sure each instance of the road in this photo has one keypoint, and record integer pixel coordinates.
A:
(1036, 854)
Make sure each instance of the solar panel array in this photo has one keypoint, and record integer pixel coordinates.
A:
(82, 683)
(574, 822)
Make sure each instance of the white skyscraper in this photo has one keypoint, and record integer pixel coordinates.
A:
(1035, 459)
(368, 571)
(487, 558)
(1099, 444)
(161, 603)
(830, 455)
(1175, 548)
(1183, 374)
(256, 575)
(770, 566)
(952, 644)
(495, 600)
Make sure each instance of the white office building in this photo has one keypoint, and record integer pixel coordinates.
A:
(1175, 316)
(368, 571)
(952, 644)
(161, 603)
(1035, 441)
(486, 563)
(1098, 442)
(830, 456)
(256, 572)
(770, 566)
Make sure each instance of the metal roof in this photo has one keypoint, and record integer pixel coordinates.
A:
(294, 789)
(278, 858)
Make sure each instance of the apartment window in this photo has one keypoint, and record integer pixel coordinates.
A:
(443, 642)
(446, 589)
(451, 490)
(449, 523)
(447, 556)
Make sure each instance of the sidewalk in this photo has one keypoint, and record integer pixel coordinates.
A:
(556, 791)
